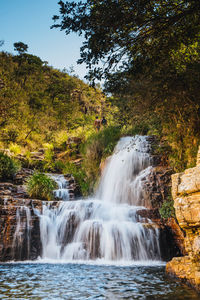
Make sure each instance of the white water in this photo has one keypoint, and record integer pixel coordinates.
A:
(23, 221)
(62, 192)
(106, 227)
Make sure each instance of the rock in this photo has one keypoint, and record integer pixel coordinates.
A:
(157, 186)
(17, 217)
(74, 188)
(186, 195)
(171, 238)
(11, 246)
(186, 270)
(189, 181)
(22, 175)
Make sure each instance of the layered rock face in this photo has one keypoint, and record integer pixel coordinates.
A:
(19, 234)
(186, 195)
(19, 222)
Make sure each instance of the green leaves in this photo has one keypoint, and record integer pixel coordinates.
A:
(137, 29)
(20, 47)
(167, 210)
(41, 186)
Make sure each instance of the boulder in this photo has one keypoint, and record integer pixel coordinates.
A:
(186, 195)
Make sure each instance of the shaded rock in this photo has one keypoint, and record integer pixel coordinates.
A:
(157, 186)
(22, 175)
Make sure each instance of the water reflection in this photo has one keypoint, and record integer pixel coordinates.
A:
(74, 281)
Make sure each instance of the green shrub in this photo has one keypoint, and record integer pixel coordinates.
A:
(167, 210)
(41, 186)
(48, 157)
(59, 166)
(8, 167)
(80, 176)
(141, 129)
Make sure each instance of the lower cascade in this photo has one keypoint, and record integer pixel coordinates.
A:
(106, 227)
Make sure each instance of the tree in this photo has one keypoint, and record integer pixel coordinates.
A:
(20, 47)
(148, 52)
(139, 33)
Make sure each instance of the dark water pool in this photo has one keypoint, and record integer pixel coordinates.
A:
(79, 281)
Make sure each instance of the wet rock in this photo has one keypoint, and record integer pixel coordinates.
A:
(157, 186)
(74, 188)
(22, 175)
(13, 238)
(20, 229)
(171, 238)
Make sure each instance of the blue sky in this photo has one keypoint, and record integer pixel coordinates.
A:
(29, 21)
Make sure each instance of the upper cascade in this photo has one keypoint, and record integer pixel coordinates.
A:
(129, 165)
(62, 192)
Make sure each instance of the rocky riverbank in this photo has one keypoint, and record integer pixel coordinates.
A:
(186, 195)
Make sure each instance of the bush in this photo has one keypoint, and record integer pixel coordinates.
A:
(80, 177)
(59, 166)
(41, 186)
(167, 210)
(48, 157)
(8, 167)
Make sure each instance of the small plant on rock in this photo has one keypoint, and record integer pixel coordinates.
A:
(167, 210)
(41, 186)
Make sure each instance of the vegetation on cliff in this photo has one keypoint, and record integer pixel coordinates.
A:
(151, 62)
(40, 104)
(47, 112)
(152, 74)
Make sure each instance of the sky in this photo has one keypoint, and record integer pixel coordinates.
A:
(29, 21)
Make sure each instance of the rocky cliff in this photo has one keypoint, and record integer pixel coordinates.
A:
(186, 195)
(19, 229)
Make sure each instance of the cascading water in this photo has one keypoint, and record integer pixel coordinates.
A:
(23, 220)
(108, 226)
(62, 192)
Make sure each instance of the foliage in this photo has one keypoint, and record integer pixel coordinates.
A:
(8, 167)
(139, 33)
(39, 104)
(48, 156)
(167, 210)
(59, 166)
(80, 177)
(151, 61)
(14, 148)
(41, 186)
(20, 47)
(97, 147)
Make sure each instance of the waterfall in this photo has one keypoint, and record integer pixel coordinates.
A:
(129, 165)
(106, 227)
(62, 193)
(21, 241)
